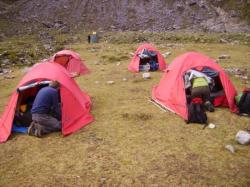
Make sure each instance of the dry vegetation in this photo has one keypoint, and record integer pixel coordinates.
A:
(131, 142)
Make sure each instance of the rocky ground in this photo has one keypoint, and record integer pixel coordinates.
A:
(157, 15)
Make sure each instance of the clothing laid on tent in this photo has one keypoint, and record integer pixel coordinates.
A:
(173, 94)
(147, 58)
(71, 61)
(75, 104)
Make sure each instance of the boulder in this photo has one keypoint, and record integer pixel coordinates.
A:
(243, 137)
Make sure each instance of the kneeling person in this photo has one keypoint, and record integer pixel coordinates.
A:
(200, 88)
(46, 102)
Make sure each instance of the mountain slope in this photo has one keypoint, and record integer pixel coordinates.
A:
(157, 15)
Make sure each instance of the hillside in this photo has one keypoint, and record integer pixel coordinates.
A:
(124, 15)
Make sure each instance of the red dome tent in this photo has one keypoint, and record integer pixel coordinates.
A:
(75, 103)
(71, 61)
(135, 62)
(170, 92)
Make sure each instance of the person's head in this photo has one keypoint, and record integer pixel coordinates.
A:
(54, 84)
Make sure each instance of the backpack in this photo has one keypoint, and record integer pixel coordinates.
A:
(154, 66)
(244, 103)
(196, 113)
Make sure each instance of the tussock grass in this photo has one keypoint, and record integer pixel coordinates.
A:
(131, 142)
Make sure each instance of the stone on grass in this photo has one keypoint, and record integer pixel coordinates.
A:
(222, 40)
(5, 61)
(97, 82)
(9, 76)
(131, 54)
(124, 79)
(167, 54)
(224, 56)
(110, 82)
(118, 63)
(170, 45)
(5, 71)
(230, 148)
(146, 75)
(243, 137)
(48, 47)
(211, 126)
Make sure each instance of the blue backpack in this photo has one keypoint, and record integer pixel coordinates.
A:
(154, 66)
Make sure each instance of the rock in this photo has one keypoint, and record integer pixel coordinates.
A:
(2, 35)
(224, 56)
(131, 54)
(47, 24)
(146, 75)
(223, 40)
(192, 3)
(112, 27)
(170, 45)
(5, 53)
(64, 29)
(5, 61)
(180, 7)
(125, 79)
(244, 77)
(5, 71)
(167, 54)
(97, 82)
(230, 148)
(47, 47)
(211, 126)
(110, 82)
(243, 137)
(9, 76)
(57, 25)
(118, 63)
(235, 42)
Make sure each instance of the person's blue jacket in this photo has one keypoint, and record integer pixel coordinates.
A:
(47, 100)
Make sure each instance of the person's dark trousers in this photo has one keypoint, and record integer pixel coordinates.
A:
(49, 123)
(202, 91)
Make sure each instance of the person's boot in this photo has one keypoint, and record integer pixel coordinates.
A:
(39, 130)
(31, 129)
(209, 107)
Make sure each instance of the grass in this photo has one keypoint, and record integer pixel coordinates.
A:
(131, 142)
